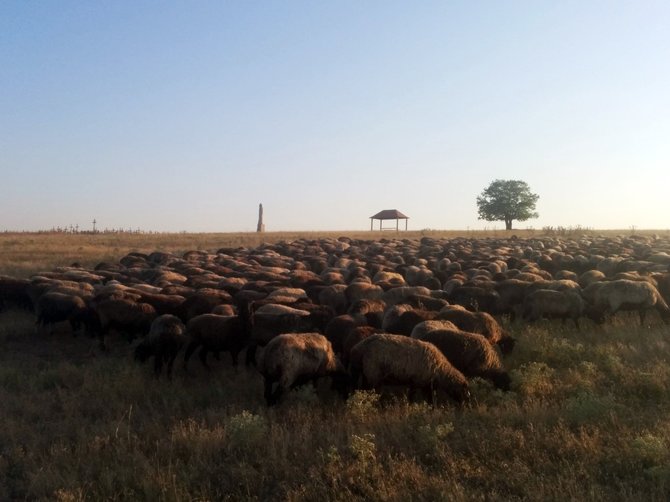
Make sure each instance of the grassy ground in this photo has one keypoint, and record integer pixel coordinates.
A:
(588, 419)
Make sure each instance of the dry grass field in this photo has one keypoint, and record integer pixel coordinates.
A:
(588, 417)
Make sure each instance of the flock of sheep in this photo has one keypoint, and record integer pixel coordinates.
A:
(420, 314)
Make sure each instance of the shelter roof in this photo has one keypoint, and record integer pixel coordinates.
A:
(389, 214)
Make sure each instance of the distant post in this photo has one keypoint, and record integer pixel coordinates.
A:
(261, 225)
(94, 222)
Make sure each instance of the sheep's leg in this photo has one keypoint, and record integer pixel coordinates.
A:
(158, 364)
(170, 364)
(233, 355)
(203, 357)
(642, 313)
(267, 393)
(189, 352)
(576, 321)
(251, 355)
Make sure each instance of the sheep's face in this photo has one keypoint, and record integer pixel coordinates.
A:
(460, 393)
(502, 381)
(506, 344)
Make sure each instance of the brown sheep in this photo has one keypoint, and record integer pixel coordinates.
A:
(405, 322)
(339, 328)
(55, 307)
(125, 317)
(165, 339)
(471, 354)
(217, 333)
(356, 335)
(426, 326)
(292, 359)
(399, 360)
(481, 323)
(554, 305)
(608, 297)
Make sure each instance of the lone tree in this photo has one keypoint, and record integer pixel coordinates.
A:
(507, 200)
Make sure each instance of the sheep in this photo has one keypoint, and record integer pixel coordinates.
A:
(608, 297)
(14, 292)
(405, 322)
(339, 328)
(216, 333)
(426, 326)
(356, 335)
(124, 316)
(398, 295)
(165, 339)
(481, 323)
(476, 298)
(553, 304)
(395, 359)
(53, 307)
(264, 327)
(373, 310)
(292, 359)
(471, 354)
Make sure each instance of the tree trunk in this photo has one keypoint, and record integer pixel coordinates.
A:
(508, 224)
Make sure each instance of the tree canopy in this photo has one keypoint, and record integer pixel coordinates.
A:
(507, 200)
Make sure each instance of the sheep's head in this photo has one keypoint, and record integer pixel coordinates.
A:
(502, 381)
(506, 343)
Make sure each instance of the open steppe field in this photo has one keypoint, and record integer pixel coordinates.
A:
(587, 416)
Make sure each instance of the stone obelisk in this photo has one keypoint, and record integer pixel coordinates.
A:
(261, 225)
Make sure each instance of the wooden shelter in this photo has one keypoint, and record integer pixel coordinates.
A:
(389, 214)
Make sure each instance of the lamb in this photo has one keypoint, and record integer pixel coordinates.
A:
(553, 304)
(470, 354)
(165, 339)
(292, 359)
(481, 323)
(398, 295)
(610, 297)
(395, 359)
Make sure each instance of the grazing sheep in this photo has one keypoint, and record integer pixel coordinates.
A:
(372, 310)
(395, 359)
(292, 359)
(339, 328)
(14, 293)
(589, 277)
(217, 333)
(424, 302)
(481, 323)
(265, 327)
(399, 295)
(608, 297)
(165, 339)
(426, 326)
(553, 305)
(476, 298)
(356, 335)
(55, 307)
(405, 322)
(471, 354)
(124, 316)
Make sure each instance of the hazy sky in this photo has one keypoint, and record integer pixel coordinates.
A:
(185, 115)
